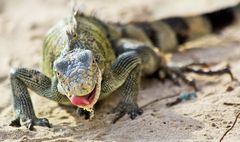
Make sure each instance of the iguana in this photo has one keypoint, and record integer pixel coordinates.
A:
(85, 60)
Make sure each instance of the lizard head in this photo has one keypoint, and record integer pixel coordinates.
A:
(79, 77)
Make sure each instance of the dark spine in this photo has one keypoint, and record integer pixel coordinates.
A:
(179, 26)
(221, 19)
(147, 28)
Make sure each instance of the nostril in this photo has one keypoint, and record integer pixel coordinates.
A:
(58, 73)
(68, 89)
(86, 57)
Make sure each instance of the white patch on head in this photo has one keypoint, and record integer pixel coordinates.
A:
(60, 89)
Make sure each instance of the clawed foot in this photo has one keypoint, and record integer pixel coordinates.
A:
(131, 109)
(85, 113)
(30, 123)
(15, 123)
(176, 73)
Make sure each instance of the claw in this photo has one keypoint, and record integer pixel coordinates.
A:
(82, 112)
(30, 123)
(135, 113)
(43, 122)
(15, 123)
(200, 64)
(173, 73)
(140, 111)
(118, 116)
(222, 71)
(132, 115)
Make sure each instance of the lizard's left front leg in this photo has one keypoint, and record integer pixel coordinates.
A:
(124, 76)
(129, 91)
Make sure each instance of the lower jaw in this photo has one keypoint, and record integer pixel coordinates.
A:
(95, 99)
(90, 106)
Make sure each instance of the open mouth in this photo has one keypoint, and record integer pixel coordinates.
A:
(87, 101)
(83, 100)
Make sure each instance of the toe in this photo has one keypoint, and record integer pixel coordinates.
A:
(134, 113)
(119, 116)
(15, 123)
(42, 122)
(80, 111)
(29, 124)
(140, 111)
(120, 108)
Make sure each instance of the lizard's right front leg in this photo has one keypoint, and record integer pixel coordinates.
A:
(21, 80)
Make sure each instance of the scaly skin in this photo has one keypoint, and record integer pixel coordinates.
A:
(85, 60)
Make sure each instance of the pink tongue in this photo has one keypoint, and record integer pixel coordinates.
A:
(77, 100)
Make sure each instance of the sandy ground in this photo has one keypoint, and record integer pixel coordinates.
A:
(23, 24)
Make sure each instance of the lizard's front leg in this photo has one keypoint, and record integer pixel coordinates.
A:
(129, 91)
(124, 76)
(21, 80)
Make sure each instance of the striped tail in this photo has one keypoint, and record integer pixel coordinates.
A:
(168, 33)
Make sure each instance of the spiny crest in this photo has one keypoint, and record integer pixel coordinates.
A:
(72, 37)
(75, 21)
(77, 14)
(75, 18)
(71, 33)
